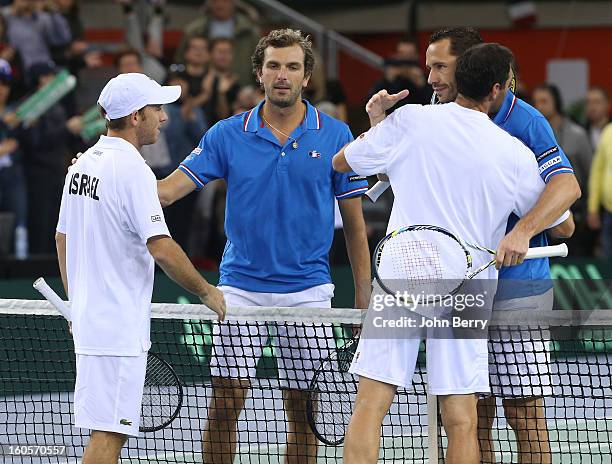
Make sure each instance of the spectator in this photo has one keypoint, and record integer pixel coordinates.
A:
(12, 182)
(220, 84)
(222, 19)
(180, 131)
(327, 94)
(246, 99)
(151, 51)
(7, 52)
(44, 145)
(196, 58)
(403, 71)
(600, 191)
(597, 112)
(408, 49)
(32, 32)
(77, 54)
(128, 60)
(574, 141)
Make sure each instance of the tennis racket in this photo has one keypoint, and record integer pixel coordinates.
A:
(433, 263)
(331, 395)
(381, 186)
(162, 396)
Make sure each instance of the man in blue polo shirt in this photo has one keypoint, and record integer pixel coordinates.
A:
(520, 371)
(276, 159)
(522, 286)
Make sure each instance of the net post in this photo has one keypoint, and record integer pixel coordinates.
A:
(432, 428)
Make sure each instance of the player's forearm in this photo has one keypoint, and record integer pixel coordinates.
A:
(560, 193)
(176, 265)
(174, 187)
(357, 250)
(60, 245)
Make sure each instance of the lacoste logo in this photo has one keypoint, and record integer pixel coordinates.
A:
(125, 422)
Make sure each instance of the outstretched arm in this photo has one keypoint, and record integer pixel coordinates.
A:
(174, 187)
(174, 262)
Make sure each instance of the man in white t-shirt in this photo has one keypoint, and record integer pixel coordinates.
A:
(110, 231)
(450, 166)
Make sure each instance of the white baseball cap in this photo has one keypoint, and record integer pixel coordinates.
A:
(130, 92)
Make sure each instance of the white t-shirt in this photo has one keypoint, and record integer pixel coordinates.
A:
(451, 167)
(109, 210)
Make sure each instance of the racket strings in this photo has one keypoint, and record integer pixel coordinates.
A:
(161, 395)
(422, 262)
(333, 392)
(416, 260)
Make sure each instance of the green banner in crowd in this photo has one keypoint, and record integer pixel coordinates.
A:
(93, 123)
(37, 104)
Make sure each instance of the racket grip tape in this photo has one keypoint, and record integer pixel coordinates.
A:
(52, 297)
(547, 252)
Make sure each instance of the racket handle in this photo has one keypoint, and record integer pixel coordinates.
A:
(378, 189)
(547, 252)
(52, 297)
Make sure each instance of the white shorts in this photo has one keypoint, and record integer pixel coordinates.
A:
(108, 392)
(455, 366)
(520, 359)
(300, 347)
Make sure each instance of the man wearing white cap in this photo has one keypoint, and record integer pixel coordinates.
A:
(111, 228)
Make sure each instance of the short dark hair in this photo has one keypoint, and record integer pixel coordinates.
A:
(196, 37)
(214, 42)
(127, 51)
(119, 123)
(554, 92)
(282, 38)
(480, 68)
(461, 38)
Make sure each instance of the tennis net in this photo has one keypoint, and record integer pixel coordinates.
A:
(37, 374)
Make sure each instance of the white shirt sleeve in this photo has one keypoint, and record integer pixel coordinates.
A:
(61, 222)
(563, 217)
(372, 152)
(141, 205)
(529, 184)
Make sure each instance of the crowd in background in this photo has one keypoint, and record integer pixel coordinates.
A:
(213, 67)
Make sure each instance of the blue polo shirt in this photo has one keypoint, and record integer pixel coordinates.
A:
(279, 217)
(524, 122)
